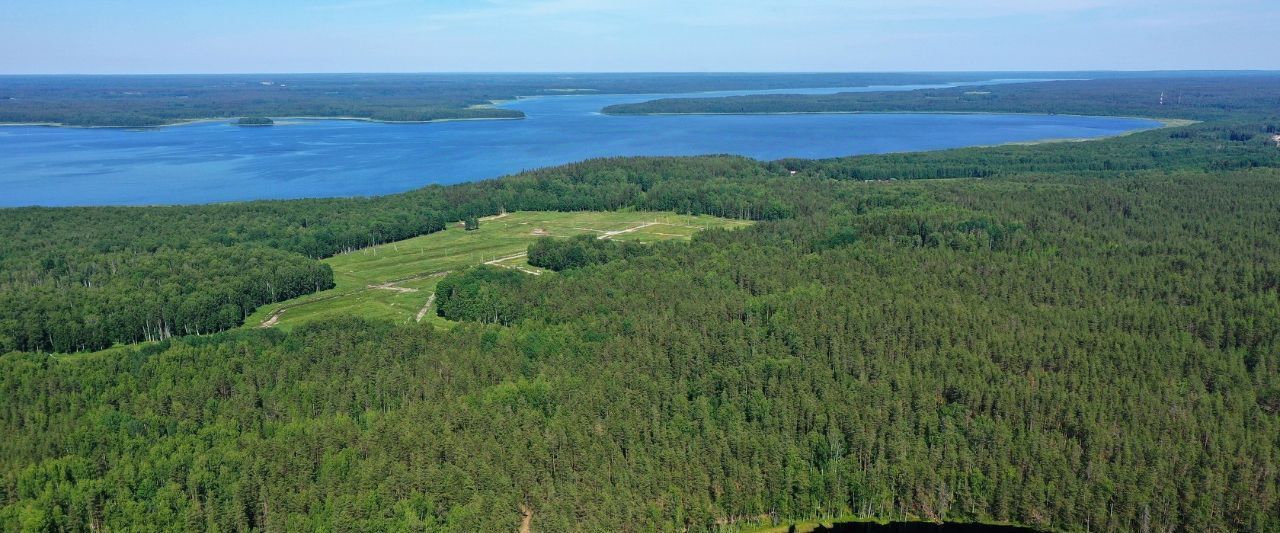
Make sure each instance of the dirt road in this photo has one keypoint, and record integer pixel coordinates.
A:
(423, 312)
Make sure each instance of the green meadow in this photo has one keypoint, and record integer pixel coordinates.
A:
(396, 281)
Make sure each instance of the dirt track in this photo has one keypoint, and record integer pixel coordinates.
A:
(423, 312)
(391, 286)
(609, 234)
(526, 520)
(271, 320)
(501, 259)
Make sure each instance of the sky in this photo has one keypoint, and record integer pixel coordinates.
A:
(282, 36)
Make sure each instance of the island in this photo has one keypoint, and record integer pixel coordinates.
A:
(255, 121)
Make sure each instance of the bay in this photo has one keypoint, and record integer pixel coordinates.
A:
(219, 161)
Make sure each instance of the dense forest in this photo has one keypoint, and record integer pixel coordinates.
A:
(1076, 336)
(1077, 354)
(140, 101)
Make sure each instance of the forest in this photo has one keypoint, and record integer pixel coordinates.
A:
(143, 101)
(90, 249)
(580, 251)
(1072, 336)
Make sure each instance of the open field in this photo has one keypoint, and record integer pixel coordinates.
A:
(396, 280)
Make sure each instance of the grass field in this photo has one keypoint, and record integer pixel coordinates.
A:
(396, 280)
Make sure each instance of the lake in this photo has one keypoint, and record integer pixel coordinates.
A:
(218, 161)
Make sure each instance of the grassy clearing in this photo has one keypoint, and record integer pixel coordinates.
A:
(394, 281)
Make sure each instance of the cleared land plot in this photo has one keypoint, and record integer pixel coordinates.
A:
(396, 280)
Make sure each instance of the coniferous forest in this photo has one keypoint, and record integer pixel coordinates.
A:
(1070, 336)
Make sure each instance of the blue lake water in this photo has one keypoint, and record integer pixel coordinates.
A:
(218, 161)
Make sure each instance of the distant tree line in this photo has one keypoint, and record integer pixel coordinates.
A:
(143, 101)
(1201, 98)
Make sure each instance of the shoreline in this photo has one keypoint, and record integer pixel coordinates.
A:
(1165, 122)
(184, 122)
(376, 121)
(499, 103)
(231, 120)
(1162, 123)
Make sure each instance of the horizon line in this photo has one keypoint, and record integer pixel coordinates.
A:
(619, 72)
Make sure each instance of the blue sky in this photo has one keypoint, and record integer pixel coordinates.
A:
(178, 36)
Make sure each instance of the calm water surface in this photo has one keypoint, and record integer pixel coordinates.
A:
(217, 161)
